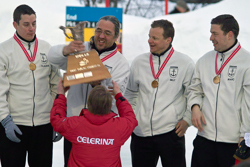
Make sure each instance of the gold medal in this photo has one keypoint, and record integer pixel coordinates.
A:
(216, 79)
(32, 66)
(154, 84)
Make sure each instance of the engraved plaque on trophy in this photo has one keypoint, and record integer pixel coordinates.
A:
(83, 67)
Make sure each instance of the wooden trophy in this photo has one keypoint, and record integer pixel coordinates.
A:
(83, 67)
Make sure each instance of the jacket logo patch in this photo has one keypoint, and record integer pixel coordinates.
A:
(231, 72)
(173, 71)
(44, 60)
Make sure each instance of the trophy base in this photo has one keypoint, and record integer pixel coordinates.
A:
(84, 67)
(84, 77)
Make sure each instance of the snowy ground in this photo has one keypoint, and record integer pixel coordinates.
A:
(192, 32)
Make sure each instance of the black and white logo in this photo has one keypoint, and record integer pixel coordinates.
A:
(232, 71)
(44, 60)
(173, 71)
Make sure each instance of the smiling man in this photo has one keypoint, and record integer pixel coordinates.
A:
(219, 96)
(157, 83)
(27, 90)
(106, 34)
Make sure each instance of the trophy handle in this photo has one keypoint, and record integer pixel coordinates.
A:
(64, 31)
(77, 31)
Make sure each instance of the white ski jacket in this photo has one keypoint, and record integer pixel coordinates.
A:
(158, 110)
(77, 95)
(24, 94)
(225, 105)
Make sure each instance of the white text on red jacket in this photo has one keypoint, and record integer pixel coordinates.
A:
(99, 141)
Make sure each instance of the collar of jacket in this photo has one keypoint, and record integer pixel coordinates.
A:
(229, 51)
(97, 119)
(236, 41)
(162, 53)
(22, 39)
(104, 50)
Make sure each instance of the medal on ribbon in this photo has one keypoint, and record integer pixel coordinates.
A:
(216, 79)
(155, 82)
(32, 65)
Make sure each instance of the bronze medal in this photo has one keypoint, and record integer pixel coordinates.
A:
(32, 66)
(154, 84)
(216, 79)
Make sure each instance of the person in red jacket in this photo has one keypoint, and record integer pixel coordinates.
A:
(97, 134)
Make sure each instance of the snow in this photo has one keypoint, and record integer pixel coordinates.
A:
(192, 33)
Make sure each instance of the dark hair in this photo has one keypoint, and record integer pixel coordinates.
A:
(227, 23)
(115, 21)
(21, 10)
(99, 101)
(168, 29)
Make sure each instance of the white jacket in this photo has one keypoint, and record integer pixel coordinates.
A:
(117, 66)
(158, 110)
(24, 94)
(225, 106)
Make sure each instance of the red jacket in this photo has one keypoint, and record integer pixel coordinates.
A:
(96, 140)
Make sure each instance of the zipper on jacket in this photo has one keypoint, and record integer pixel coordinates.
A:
(33, 115)
(30, 50)
(33, 99)
(151, 119)
(222, 61)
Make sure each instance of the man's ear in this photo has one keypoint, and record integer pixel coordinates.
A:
(230, 35)
(15, 24)
(169, 40)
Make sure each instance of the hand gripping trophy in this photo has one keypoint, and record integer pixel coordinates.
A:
(83, 67)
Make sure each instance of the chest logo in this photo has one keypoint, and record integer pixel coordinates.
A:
(232, 71)
(43, 58)
(173, 71)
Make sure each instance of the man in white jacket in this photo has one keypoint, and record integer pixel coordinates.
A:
(157, 83)
(106, 34)
(27, 90)
(219, 96)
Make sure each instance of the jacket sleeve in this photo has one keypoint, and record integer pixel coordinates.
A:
(131, 93)
(54, 78)
(56, 57)
(195, 92)
(120, 75)
(245, 105)
(4, 85)
(59, 121)
(127, 119)
(186, 82)
(58, 113)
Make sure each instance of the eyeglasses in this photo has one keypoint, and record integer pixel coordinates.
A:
(106, 33)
